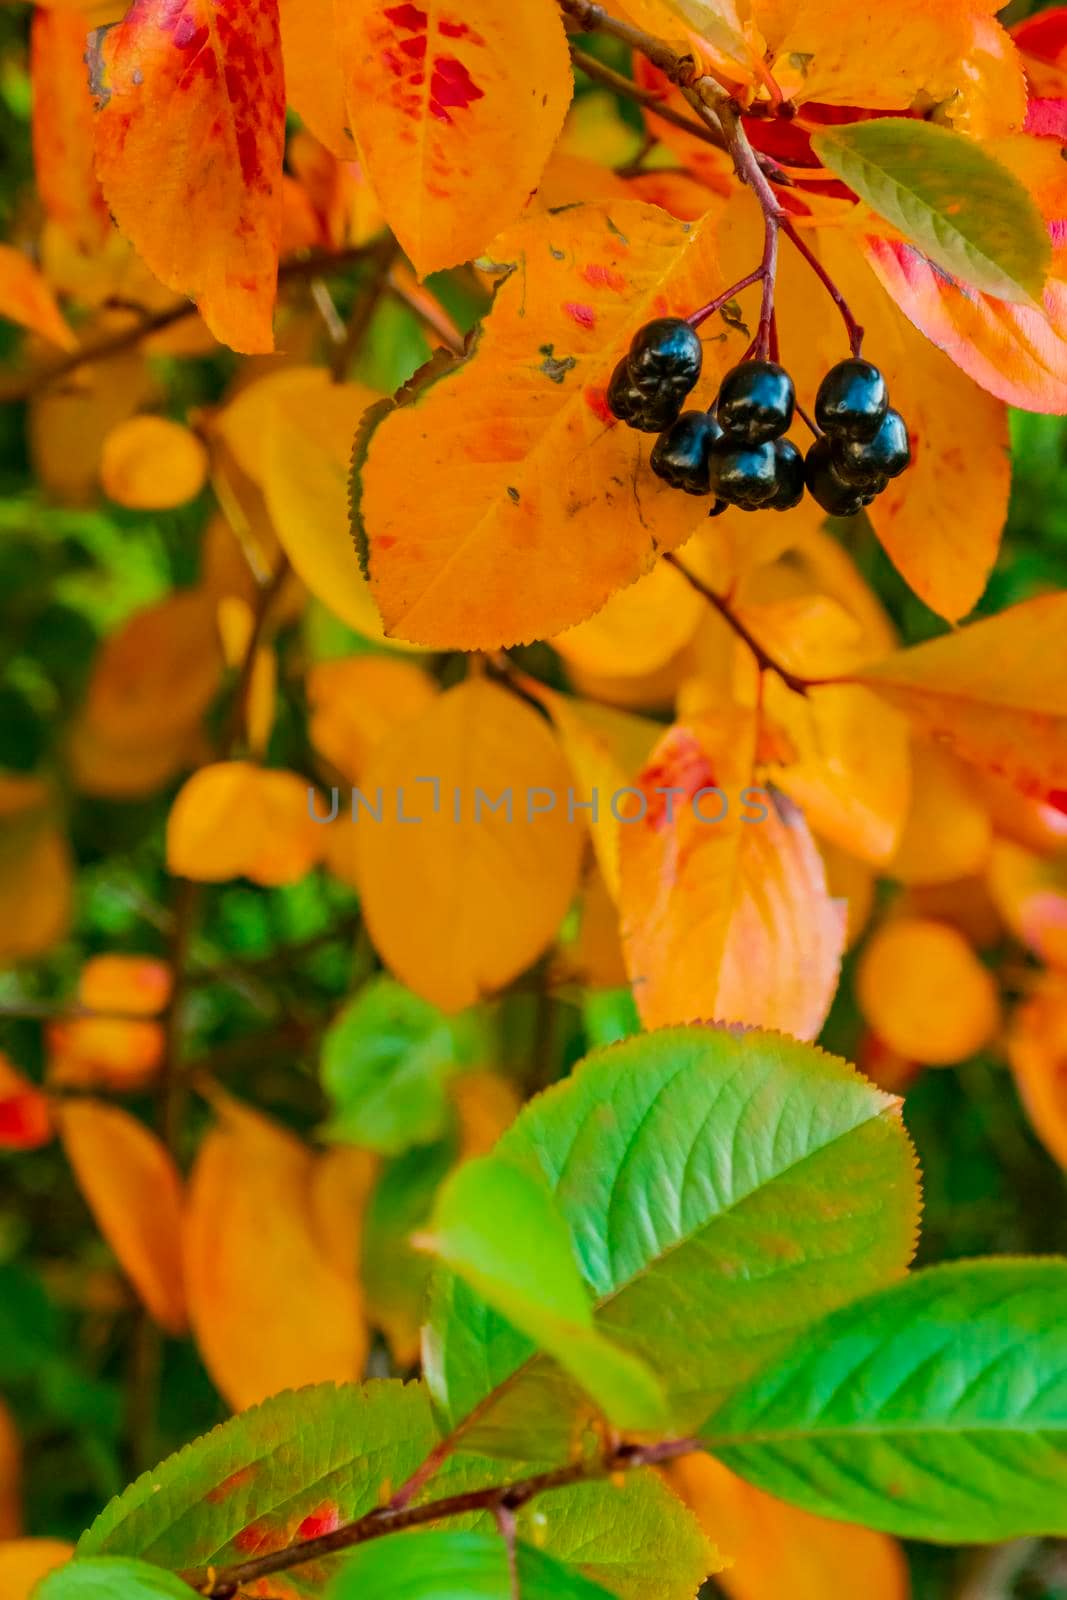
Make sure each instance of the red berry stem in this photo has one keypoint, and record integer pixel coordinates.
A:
(804, 417)
(855, 332)
(697, 317)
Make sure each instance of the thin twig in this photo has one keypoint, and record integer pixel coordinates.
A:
(225, 1583)
(764, 660)
(366, 304)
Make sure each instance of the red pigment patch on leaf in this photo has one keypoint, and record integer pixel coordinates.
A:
(451, 87)
(597, 401)
(1057, 799)
(602, 276)
(452, 28)
(230, 1485)
(257, 1538)
(406, 16)
(325, 1519)
(684, 768)
(580, 313)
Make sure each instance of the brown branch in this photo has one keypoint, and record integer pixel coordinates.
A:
(226, 1583)
(764, 660)
(384, 254)
(319, 263)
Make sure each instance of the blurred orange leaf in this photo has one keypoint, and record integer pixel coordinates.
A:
(36, 886)
(63, 126)
(250, 1235)
(212, 229)
(1037, 1050)
(25, 298)
(925, 993)
(233, 819)
(448, 130)
(25, 1114)
(1030, 892)
(151, 463)
(314, 84)
(24, 1562)
(491, 885)
(947, 833)
(356, 700)
(133, 1190)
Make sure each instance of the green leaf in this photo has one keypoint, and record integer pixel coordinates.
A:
(110, 1580)
(386, 1061)
(396, 1276)
(496, 1226)
(970, 214)
(936, 1409)
(301, 1461)
(723, 1190)
(444, 1564)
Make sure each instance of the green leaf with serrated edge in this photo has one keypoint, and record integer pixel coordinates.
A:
(301, 1462)
(970, 215)
(723, 1190)
(110, 1579)
(496, 1226)
(936, 1409)
(386, 1061)
(449, 1564)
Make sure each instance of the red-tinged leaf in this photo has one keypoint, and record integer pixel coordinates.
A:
(25, 1117)
(1046, 119)
(25, 298)
(456, 107)
(189, 145)
(1043, 36)
(63, 127)
(726, 914)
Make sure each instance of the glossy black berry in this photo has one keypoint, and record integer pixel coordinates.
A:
(680, 456)
(874, 461)
(839, 498)
(852, 400)
(718, 508)
(746, 475)
(756, 402)
(665, 353)
(648, 413)
(789, 470)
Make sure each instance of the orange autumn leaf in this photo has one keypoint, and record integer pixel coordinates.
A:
(139, 985)
(356, 701)
(112, 1052)
(69, 423)
(925, 993)
(1037, 1050)
(1030, 892)
(947, 833)
(491, 879)
(24, 1562)
(772, 1547)
(342, 1182)
(726, 914)
(212, 228)
(486, 1104)
(25, 298)
(250, 1235)
(991, 693)
(450, 134)
(543, 505)
(314, 83)
(151, 463)
(133, 1189)
(233, 819)
(36, 886)
(62, 127)
(157, 672)
(25, 1114)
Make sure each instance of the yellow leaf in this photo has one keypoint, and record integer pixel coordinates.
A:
(314, 85)
(925, 993)
(133, 1190)
(773, 1548)
(1037, 1050)
(341, 1185)
(69, 422)
(234, 819)
(250, 1237)
(1030, 893)
(542, 506)
(25, 298)
(852, 881)
(151, 463)
(490, 889)
(991, 693)
(356, 701)
(212, 229)
(307, 446)
(639, 629)
(244, 420)
(726, 914)
(596, 958)
(24, 1562)
(450, 133)
(947, 833)
(36, 886)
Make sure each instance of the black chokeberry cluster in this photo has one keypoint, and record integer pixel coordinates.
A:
(737, 450)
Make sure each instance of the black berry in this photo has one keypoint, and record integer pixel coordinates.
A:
(681, 455)
(665, 353)
(648, 413)
(756, 402)
(746, 475)
(718, 508)
(789, 470)
(852, 400)
(825, 486)
(878, 459)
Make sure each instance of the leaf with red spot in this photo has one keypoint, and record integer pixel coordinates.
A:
(543, 506)
(63, 127)
(189, 142)
(456, 107)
